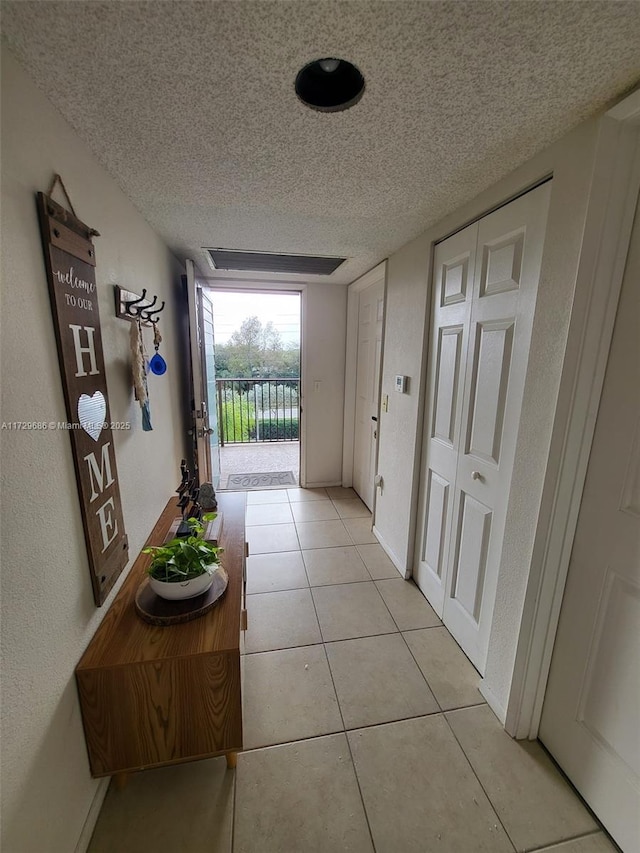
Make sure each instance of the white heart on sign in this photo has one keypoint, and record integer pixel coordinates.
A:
(91, 413)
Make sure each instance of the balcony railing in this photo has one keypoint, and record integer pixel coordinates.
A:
(257, 410)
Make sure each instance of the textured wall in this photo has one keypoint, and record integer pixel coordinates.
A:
(458, 93)
(325, 325)
(48, 614)
(571, 162)
(400, 427)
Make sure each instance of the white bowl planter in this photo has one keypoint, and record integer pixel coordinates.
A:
(185, 589)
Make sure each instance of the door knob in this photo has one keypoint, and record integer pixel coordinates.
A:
(476, 475)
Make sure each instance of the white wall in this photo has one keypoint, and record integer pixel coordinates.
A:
(325, 325)
(48, 614)
(570, 161)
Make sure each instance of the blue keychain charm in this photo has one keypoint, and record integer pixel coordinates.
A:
(157, 364)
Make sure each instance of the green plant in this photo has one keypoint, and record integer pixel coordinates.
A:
(238, 418)
(185, 557)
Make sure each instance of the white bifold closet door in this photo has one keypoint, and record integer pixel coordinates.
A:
(485, 281)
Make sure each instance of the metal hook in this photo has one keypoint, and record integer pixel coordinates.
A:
(128, 305)
(147, 314)
(140, 310)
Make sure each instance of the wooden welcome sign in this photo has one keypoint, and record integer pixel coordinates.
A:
(70, 262)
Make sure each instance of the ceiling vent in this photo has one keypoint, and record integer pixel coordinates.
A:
(230, 259)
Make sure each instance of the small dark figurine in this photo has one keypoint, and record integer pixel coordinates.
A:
(189, 492)
(195, 511)
(186, 476)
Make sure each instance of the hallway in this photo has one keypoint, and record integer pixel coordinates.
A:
(363, 726)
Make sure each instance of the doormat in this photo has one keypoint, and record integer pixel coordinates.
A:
(273, 480)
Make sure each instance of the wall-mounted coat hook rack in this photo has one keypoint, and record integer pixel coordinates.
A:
(131, 306)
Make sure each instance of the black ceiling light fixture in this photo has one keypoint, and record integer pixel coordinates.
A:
(329, 85)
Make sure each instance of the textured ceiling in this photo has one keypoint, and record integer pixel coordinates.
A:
(191, 108)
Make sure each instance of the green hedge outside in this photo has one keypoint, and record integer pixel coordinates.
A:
(283, 430)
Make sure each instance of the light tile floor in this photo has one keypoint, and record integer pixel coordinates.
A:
(364, 728)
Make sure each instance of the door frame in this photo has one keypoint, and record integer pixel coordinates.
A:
(374, 276)
(198, 390)
(273, 286)
(609, 220)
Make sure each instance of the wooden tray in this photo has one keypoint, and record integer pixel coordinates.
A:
(159, 611)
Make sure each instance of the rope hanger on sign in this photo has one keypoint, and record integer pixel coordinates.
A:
(58, 180)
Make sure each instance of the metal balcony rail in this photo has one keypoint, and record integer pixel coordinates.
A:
(258, 410)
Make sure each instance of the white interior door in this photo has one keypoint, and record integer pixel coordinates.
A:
(485, 287)
(208, 462)
(591, 712)
(454, 264)
(369, 354)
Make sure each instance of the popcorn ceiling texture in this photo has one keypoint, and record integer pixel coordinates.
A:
(190, 106)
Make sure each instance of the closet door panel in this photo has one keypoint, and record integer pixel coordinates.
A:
(454, 263)
(504, 290)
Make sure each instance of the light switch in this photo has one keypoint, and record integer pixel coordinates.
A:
(317, 384)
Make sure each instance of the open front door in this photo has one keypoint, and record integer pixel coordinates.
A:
(369, 361)
(204, 414)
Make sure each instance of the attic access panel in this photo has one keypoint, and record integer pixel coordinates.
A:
(230, 259)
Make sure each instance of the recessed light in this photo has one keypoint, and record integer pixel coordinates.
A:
(329, 85)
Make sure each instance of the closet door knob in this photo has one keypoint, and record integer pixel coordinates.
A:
(476, 475)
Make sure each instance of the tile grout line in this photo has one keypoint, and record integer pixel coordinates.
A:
(344, 729)
(387, 607)
(359, 727)
(599, 831)
(315, 610)
(312, 586)
(426, 680)
(353, 763)
(486, 793)
(327, 642)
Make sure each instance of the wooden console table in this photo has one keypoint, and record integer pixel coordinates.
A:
(152, 696)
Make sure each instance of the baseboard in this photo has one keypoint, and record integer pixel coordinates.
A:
(390, 554)
(92, 815)
(328, 485)
(492, 701)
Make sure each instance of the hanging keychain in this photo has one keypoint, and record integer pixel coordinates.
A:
(157, 364)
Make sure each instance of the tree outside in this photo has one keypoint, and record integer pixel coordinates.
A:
(256, 410)
(257, 351)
